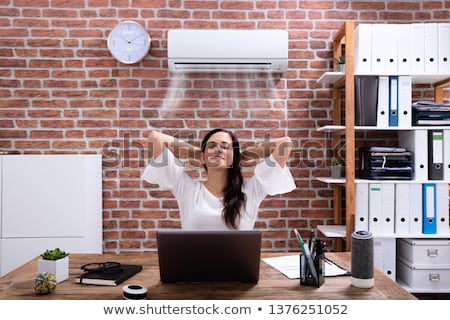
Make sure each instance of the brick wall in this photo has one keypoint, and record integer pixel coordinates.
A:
(62, 92)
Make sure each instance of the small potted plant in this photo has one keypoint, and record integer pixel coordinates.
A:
(340, 63)
(335, 168)
(56, 262)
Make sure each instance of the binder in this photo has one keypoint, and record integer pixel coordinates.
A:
(388, 208)
(384, 48)
(404, 48)
(375, 201)
(378, 253)
(362, 206)
(389, 257)
(383, 102)
(444, 48)
(418, 48)
(384, 255)
(402, 208)
(393, 101)
(429, 208)
(363, 48)
(404, 101)
(416, 208)
(442, 214)
(435, 155)
(381, 208)
(431, 47)
(446, 159)
(415, 141)
(366, 96)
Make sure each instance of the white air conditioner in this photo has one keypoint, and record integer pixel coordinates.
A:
(191, 50)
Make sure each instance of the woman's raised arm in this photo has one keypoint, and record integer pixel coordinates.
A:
(178, 147)
(279, 148)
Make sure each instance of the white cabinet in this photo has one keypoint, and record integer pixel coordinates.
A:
(47, 202)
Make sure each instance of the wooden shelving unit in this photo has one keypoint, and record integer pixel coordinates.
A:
(343, 132)
(343, 83)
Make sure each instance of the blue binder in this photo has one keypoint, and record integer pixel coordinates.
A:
(393, 101)
(429, 208)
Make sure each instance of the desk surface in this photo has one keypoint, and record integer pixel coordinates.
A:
(18, 284)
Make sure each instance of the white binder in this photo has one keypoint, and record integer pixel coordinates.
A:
(404, 48)
(402, 208)
(375, 207)
(361, 206)
(363, 48)
(378, 253)
(417, 48)
(381, 208)
(383, 102)
(384, 255)
(417, 142)
(389, 257)
(444, 48)
(415, 212)
(388, 208)
(404, 101)
(431, 47)
(447, 155)
(442, 225)
(384, 48)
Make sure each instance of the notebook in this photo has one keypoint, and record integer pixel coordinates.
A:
(109, 278)
(209, 256)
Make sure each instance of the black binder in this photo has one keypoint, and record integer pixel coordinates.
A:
(435, 155)
(366, 100)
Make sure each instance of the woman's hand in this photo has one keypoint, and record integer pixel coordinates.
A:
(279, 148)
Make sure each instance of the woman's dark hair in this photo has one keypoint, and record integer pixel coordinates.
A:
(233, 198)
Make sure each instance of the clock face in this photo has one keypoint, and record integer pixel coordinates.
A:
(129, 42)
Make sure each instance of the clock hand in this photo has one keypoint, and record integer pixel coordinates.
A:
(139, 35)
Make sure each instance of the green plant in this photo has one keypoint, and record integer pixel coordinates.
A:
(340, 60)
(334, 162)
(54, 254)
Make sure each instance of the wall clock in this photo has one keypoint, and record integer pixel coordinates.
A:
(129, 42)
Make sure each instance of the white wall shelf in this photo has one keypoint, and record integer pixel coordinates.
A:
(338, 231)
(334, 77)
(335, 128)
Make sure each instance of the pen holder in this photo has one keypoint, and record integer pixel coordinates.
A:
(306, 276)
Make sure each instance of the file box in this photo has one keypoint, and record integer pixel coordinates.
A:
(425, 251)
(424, 277)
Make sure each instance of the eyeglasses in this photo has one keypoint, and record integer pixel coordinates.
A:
(219, 145)
(104, 267)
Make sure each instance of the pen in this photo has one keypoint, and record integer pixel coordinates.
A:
(311, 240)
(307, 254)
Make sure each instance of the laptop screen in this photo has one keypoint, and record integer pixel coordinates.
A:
(199, 256)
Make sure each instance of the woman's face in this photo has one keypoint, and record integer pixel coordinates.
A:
(218, 152)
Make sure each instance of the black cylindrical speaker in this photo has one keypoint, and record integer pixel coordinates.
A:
(134, 292)
(362, 259)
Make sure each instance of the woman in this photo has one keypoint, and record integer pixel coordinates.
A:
(225, 200)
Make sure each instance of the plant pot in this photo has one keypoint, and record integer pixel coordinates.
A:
(336, 172)
(340, 67)
(60, 268)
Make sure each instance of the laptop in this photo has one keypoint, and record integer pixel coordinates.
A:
(209, 256)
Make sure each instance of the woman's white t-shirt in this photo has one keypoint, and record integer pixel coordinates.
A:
(201, 210)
